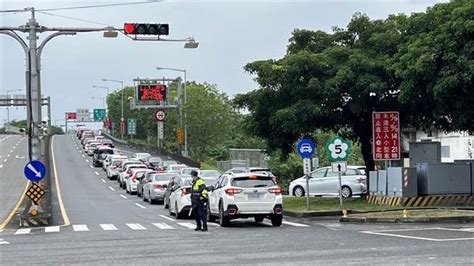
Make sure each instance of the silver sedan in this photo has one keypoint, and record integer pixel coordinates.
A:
(155, 186)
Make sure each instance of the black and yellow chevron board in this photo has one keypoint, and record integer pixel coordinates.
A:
(424, 201)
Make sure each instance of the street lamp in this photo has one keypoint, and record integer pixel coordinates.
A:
(185, 101)
(100, 98)
(8, 107)
(102, 87)
(122, 120)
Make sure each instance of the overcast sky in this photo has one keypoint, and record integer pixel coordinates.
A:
(230, 33)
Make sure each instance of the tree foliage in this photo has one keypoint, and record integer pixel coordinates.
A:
(334, 81)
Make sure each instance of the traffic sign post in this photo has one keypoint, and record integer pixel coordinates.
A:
(99, 115)
(35, 171)
(338, 150)
(132, 126)
(306, 148)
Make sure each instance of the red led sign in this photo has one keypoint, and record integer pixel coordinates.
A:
(152, 92)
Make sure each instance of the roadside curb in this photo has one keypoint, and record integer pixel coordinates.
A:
(455, 219)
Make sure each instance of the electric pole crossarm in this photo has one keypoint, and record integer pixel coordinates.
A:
(21, 28)
(16, 37)
(40, 48)
(73, 29)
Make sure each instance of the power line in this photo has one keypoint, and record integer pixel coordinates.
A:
(78, 19)
(98, 6)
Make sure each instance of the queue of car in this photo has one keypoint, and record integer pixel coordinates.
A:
(241, 192)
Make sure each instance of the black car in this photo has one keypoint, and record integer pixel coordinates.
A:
(100, 153)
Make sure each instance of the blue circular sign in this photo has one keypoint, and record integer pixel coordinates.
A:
(306, 148)
(35, 171)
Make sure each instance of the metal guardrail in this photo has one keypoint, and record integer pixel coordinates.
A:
(124, 142)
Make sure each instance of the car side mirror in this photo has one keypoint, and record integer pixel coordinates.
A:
(210, 188)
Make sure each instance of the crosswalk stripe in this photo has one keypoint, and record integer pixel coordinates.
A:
(3, 242)
(51, 229)
(188, 225)
(295, 224)
(136, 226)
(80, 227)
(108, 227)
(163, 226)
(23, 231)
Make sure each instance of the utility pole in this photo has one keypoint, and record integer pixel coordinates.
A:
(33, 67)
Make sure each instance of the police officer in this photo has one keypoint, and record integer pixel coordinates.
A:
(199, 199)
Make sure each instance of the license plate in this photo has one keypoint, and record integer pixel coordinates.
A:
(253, 196)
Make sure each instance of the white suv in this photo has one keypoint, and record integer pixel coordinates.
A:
(244, 195)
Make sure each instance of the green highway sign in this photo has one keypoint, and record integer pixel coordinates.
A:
(338, 149)
(99, 115)
(132, 126)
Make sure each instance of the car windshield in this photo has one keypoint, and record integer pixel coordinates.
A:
(253, 182)
(210, 173)
(187, 171)
(154, 164)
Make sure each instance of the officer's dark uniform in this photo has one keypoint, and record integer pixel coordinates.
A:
(199, 202)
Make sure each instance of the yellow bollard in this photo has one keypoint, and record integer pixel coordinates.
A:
(344, 213)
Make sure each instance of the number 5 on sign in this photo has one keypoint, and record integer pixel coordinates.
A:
(338, 149)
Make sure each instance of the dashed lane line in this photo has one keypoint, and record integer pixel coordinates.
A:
(136, 226)
(163, 226)
(51, 229)
(91, 166)
(141, 206)
(80, 228)
(95, 172)
(23, 231)
(108, 227)
(103, 181)
(295, 224)
(3, 242)
(123, 196)
(111, 188)
(167, 218)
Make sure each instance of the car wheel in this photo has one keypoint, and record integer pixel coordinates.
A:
(346, 192)
(276, 220)
(210, 218)
(165, 204)
(298, 191)
(144, 196)
(223, 220)
(258, 219)
(169, 211)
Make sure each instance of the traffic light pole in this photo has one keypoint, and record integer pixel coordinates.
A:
(33, 80)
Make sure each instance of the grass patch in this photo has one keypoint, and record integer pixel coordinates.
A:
(416, 214)
(329, 204)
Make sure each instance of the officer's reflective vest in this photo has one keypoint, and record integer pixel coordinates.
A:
(199, 189)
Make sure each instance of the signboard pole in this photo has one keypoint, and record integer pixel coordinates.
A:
(340, 187)
(307, 194)
(65, 124)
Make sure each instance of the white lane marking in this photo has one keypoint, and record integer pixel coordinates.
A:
(23, 231)
(96, 173)
(167, 218)
(163, 226)
(3, 242)
(77, 148)
(83, 156)
(108, 227)
(8, 156)
(123, 196)
(51, 229)
(141, 206)
(5, 160)
(188, 225)
(91, 166)
(400, 236)
(87, 161)
(1, 165)
(295, 224)
(103, 181)
(267, 223)
(80, 227)
(136, 226)
(111, 188)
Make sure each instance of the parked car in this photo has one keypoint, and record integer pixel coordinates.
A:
(163, 166)
(127, 173)
(155, 185)
(100, 153)
(131, 181)
(180, 197)
(169, 189)
(121, 169)
(245, 195)
(107, 142)
(323, 182)
(187, 170)
(141, 156)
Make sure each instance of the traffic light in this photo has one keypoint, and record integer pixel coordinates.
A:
(146, 29)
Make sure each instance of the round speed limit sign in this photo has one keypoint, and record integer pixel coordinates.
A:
(160, 115)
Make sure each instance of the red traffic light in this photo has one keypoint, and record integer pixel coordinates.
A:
(146, 29)
(129, 28)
